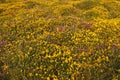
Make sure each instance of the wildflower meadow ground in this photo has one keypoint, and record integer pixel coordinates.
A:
(59, 39)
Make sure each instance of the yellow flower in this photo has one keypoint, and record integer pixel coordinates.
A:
(21, 70)
(28, 37)
(48, 78)
(66, 60)
(99, 59)
(30, 48)
(30, 74)
(84, 58)
(96, 64)
(5, 67)
(36, 74)
(101, 70)
(47, 50)
(114, 79)
(107, 58)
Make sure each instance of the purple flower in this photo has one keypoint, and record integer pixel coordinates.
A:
(2, 43)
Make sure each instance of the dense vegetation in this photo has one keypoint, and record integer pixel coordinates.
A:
(59, 39)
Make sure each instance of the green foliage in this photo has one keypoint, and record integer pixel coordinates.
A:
(65, 10)
(113, 8)
(1, 10)
(2, 1)
(86, 4)
(31, 4)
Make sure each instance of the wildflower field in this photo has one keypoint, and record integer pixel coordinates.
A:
(59, 39)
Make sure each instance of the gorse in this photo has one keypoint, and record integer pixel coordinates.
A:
(59, 40)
